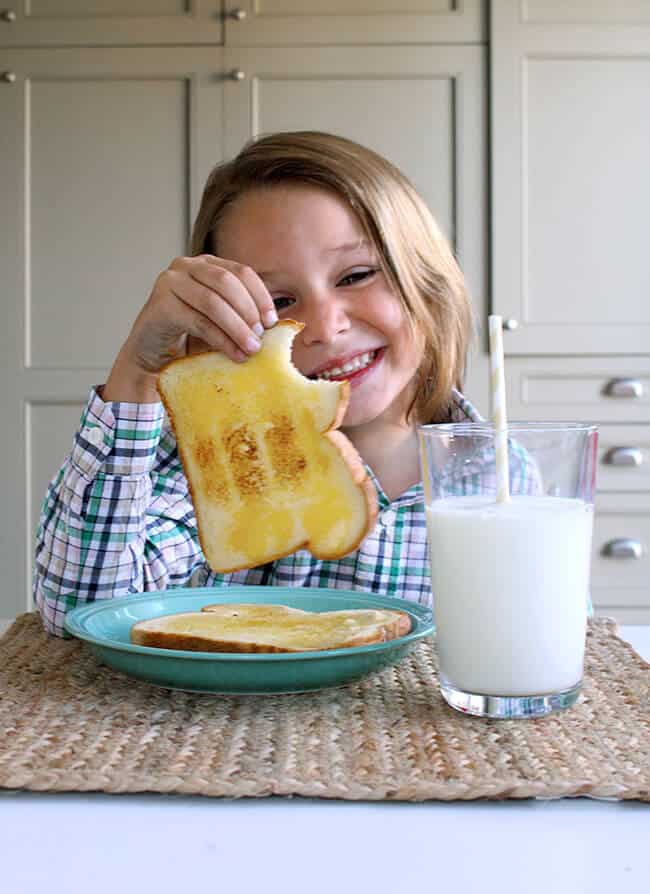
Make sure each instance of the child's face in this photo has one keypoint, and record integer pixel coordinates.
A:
(309, 249)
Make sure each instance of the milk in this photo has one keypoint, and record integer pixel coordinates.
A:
(510, 587)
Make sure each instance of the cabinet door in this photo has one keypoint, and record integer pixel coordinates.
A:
(104, 157)
(423, 108)
(336, 22)
(110, 22)
(570, 185)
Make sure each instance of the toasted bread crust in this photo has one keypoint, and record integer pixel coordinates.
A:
(361, 479)
(344, 448)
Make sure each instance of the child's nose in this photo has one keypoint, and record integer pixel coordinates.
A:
(324, 319)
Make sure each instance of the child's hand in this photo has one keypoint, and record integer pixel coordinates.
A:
(201, 302)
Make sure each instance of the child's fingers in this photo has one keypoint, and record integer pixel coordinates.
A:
(216, 286)
(200, 327)
(213, 314)
(255, 286)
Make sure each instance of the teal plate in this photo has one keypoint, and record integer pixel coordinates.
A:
(105, 626)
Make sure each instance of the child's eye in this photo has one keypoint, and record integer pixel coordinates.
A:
(282, 303)
(356, 276)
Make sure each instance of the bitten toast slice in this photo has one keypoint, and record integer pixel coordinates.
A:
(268, 472)
(269, 628)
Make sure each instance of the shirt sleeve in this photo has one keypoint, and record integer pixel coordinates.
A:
(117, 518)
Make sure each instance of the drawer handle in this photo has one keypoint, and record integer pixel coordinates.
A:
(624, 548)
(624, 388)
(623, 456)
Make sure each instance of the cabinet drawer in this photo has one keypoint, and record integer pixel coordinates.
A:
(622, 614)
(622, 580)
(49, 23)
(624, 458)
(584, 389)
(357, 22)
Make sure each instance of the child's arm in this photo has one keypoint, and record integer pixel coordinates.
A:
(117, 518)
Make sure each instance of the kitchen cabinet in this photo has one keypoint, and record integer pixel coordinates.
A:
(570, 140)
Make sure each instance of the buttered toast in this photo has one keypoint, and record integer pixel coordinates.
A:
(269, 628)
(268, 472)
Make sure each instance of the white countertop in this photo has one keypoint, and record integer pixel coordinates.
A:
(104, 844)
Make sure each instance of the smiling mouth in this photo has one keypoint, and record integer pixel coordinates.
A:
(361, 361)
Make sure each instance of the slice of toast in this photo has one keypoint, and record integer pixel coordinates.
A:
(267, 471)
(269, 628)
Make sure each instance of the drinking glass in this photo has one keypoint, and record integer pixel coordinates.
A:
(510, 579)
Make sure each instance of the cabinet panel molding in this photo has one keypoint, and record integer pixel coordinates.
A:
(271, 23)
(577, 12)
(34, 23)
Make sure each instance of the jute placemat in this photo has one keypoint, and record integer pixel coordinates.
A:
(69, 724)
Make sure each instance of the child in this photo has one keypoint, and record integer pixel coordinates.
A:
(303, 225)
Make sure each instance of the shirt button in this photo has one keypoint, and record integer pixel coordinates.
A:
(387, 517)
(94, 436)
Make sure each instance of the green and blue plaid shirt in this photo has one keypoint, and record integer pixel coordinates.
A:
(118, 519)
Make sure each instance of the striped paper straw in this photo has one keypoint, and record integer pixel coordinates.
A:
(499, 416)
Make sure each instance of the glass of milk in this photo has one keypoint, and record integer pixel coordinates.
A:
(510, 579)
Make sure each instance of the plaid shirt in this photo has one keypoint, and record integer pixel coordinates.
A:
(117, 519)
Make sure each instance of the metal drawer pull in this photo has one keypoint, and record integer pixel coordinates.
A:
(8, 15)
(510, 324)
(237, 75)
(623, 456)
(237, 14)
(623, 549)
(624, 388)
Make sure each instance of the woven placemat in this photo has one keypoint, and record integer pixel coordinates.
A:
(70, 724)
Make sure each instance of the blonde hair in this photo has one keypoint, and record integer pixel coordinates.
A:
(414, 254)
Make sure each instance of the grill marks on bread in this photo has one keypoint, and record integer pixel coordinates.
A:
(213, 473)
(243, 450)
(243, 455)
(287, 459)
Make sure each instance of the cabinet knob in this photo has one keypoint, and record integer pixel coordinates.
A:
(509, 324)
(9, 77)
(237, 14)
(623, 388)
(8, 15)
(623, 456)
(623, 548)
(237, 74)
